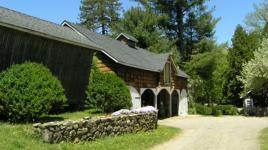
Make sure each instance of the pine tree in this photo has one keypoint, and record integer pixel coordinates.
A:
(143, 24)
(187, 21)
(240, 53)
(99, 15)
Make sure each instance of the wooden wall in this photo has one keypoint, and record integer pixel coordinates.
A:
(181, 83)
(176, 81)
(71, 64)
(138, 78)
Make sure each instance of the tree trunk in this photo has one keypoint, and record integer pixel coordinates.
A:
(103, 29)
(179, 20)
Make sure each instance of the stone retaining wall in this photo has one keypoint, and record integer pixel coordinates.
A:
(88, 129)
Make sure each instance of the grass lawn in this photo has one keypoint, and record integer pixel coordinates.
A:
(21, 136)
(264, 139)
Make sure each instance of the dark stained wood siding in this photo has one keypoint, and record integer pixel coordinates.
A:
(181, 83)
(176, 82)
(139, 78)
(69, 63)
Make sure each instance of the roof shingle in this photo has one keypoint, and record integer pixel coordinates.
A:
(19, 21)
(125, 55)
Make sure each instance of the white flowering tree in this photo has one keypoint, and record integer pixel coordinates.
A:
(255, 72)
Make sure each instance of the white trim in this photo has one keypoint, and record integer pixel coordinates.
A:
(174, 65)
(120, 35)
(125, 37)
(70, 26)
(37, 33)
(110, 56)
(154, 90)
(175, 90)
(103, 50)
(135, 97)
(159, 89)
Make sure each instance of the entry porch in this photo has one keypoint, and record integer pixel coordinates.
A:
(168, 101)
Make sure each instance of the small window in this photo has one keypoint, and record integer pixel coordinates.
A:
(167, 74)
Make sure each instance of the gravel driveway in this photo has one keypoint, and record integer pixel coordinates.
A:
(214, 133)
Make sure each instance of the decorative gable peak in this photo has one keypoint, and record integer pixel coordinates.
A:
(127, 39)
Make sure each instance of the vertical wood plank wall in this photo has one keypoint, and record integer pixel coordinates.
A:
(70, 64)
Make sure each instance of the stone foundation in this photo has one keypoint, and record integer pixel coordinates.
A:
(88, 129)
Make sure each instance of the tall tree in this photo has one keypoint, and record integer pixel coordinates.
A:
(206, 69)
(257, 19)
(255, 75)
(99, 15)
(143, 24)
(187, 21)
(240, 53)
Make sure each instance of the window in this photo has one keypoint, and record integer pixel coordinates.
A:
(167, 74)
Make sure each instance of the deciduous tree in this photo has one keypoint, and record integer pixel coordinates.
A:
(255, 74)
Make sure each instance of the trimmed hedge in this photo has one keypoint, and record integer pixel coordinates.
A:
(216, 110)
(107, 92)
(203, 110)
(28, 91)
(227, 109)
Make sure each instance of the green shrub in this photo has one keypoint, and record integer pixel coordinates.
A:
(227, 109)
(107, 92)
(192, 111)
(203, 110)
(28, 91)
(216, 112)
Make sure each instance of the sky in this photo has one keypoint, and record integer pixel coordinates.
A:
(231, 12)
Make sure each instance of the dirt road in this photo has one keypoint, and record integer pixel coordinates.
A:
(214, 133)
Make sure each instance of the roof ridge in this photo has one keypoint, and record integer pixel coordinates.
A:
(40, 27)
(125, 55)
(71, 23)
(24, 14)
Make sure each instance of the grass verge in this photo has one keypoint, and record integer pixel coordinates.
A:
(263, 138)
(21, 136)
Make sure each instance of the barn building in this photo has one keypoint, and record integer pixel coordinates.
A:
(67, 54)
(67, 50)
(153, 79)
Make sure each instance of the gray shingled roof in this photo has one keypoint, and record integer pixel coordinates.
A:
(182, 73)
(125, 55)
(129, 37)
(33, 25)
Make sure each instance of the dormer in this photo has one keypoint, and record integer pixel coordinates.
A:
(127, 39)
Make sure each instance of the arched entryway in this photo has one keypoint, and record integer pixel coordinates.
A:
(147, 98)
(135, 97)
(163, 104)
(175, 103)
(183, 103)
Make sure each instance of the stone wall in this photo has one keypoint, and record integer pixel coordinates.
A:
(88, 129)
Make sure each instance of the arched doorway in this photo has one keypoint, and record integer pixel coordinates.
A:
(175, 103)
(147, 98)
(183, 103)
(135, 97)
(163, 104)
